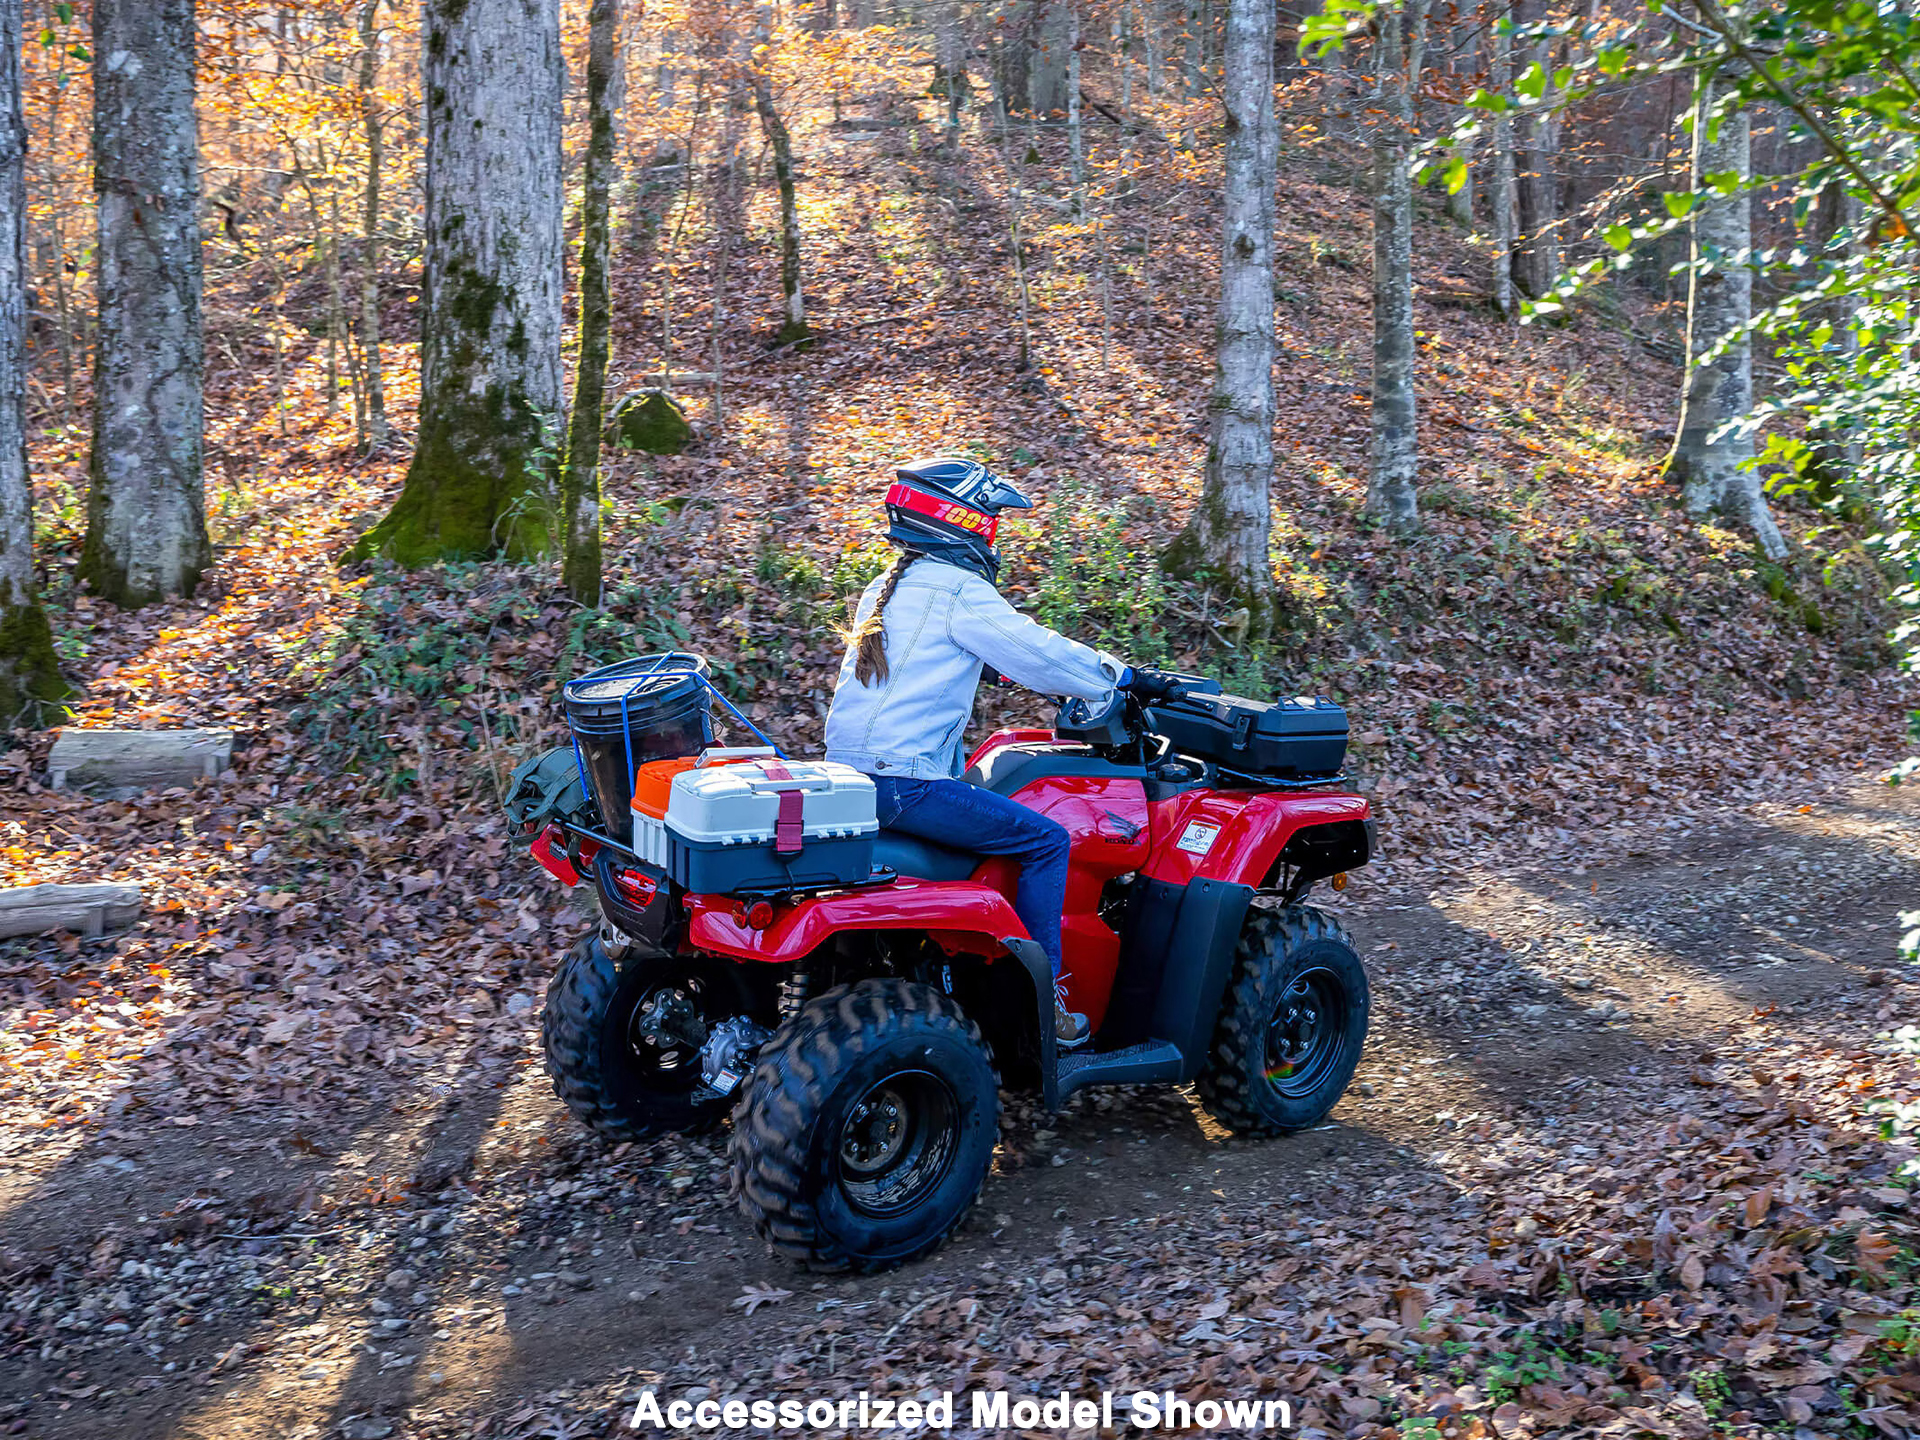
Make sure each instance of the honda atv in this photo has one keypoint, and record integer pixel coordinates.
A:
(857, 1000)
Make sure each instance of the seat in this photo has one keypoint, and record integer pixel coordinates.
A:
(919, 859)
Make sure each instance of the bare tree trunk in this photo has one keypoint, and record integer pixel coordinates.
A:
(1395, 437)
(146, 521)
(952, 68)
(329, 236)
(1076, 139)
(1193, 50)
(29, 672)
(1711, 461)
(1500, 178)
(376, 387)
(1056, 26)
(1016, 233)
(1226, 538)
(1460, 202)
(481, 482)
(580, 479)
(793, 327)
(1537, 263)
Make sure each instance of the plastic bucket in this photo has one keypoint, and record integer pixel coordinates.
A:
(655, 707)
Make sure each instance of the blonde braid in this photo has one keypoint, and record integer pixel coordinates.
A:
(870, 640)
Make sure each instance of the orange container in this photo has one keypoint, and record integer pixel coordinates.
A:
(653, 784)
(653, 781)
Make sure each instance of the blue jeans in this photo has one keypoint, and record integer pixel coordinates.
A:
(966, 817)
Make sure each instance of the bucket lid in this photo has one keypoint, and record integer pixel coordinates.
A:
(638, 685)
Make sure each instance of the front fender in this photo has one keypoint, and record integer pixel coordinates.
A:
(964, 913)
(1252, 828)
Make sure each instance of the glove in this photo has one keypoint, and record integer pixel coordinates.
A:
(1147, 686)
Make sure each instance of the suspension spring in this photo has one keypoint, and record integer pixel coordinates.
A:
(793, 992)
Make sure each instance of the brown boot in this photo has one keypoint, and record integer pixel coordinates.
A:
(1070, 1028)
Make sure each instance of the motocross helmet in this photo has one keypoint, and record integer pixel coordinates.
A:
(949, 508)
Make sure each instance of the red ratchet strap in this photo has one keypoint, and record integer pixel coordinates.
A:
(921, 503)
(790, 824)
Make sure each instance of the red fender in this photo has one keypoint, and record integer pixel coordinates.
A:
(961, 915)
(1236, 835)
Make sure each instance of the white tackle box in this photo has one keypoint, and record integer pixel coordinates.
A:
(768, 825)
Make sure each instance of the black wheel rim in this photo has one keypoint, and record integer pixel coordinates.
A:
(897, 1143)
(1305, 1033)
(657, 1059)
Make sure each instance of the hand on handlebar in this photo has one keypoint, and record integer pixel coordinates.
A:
(1147, 686)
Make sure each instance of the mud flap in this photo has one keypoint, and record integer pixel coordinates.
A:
(1034, 959)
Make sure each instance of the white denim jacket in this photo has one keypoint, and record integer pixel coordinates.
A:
(942, 624)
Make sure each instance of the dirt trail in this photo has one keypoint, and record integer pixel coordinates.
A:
(481, 1260)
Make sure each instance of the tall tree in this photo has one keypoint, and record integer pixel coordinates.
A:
(1055, 27)
(1395, 438)
(580, 481)
(146, 520)
(1536, 264)
(373, 127)
(793, 324)
(482, 477)
(1226, 538)
(1713, 461)
(1501, 200)
(29, 672)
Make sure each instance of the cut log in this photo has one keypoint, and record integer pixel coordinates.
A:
(137, 758)
(83, 909)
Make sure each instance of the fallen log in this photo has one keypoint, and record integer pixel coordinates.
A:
(137, 758)
(83, 909)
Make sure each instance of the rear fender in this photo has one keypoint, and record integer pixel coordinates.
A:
(960, 915)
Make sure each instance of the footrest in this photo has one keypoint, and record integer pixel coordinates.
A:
(1150, 1062)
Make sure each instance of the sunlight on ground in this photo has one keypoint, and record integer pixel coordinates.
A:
(1547, 937)
(303, 1373)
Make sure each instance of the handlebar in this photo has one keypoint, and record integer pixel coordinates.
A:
(1150, 686)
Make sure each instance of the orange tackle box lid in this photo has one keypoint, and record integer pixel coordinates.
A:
(653, 781)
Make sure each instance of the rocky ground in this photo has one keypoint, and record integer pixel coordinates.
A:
(1622, 1159)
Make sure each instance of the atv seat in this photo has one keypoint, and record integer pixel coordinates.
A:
(919, 859)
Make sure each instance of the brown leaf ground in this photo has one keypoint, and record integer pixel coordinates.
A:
(280, 1156)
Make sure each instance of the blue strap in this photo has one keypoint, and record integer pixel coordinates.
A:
(734, 711)
(626, 725)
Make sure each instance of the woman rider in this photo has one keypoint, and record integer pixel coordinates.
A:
(920, 636)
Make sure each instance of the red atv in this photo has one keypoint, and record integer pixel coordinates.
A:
(860, 1032)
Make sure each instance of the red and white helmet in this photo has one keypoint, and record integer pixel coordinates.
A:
(950, 508)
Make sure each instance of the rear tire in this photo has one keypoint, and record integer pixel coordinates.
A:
(867, 1129)
(1293, 1025)
(615, 1082)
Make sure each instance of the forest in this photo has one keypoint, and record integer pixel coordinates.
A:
(1537, 380)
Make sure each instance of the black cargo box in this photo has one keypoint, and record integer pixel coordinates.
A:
(1290, 739)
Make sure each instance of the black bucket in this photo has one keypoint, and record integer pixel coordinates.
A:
(656, 707)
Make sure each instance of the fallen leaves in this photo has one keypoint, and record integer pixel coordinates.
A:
(754, 1296)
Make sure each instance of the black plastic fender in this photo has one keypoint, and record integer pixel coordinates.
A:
(1033, 960)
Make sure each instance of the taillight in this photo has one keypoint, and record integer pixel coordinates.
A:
(759, 915)
(636, 887)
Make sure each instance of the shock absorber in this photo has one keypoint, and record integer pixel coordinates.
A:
(793, 992)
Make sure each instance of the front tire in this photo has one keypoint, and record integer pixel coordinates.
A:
(868, 1127)
(614, 1077)
(1293, 1025)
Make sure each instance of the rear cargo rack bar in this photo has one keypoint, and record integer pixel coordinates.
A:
(1274, 782)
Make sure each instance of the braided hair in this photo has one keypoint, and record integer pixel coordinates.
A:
(870, 640)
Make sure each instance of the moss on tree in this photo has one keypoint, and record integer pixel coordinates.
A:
(29, 669)
(481, 481)
(651, 420)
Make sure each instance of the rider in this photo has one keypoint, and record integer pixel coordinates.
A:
(920, 636)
